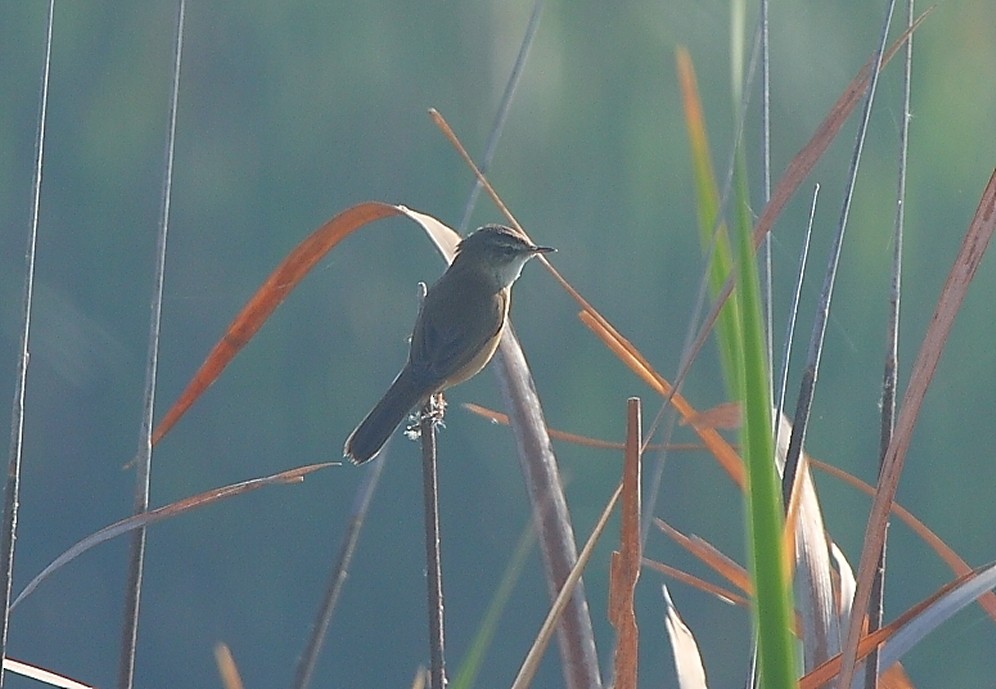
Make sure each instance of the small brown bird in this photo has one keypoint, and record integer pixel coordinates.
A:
(456, 332)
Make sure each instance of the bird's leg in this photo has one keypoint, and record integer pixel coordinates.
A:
(435, 409)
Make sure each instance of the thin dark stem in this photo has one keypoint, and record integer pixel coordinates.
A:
(306, 663)
(12, 486)
(808, 386)
(434, 578)
(143, 463)
(876, 608)
(793, 315)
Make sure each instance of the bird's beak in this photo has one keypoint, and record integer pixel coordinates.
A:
(543, 250)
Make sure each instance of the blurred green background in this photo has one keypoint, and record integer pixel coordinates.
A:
(291, 112)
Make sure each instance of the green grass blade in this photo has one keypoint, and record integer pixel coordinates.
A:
(772, 602)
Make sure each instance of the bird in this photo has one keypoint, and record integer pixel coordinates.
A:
(457, 330)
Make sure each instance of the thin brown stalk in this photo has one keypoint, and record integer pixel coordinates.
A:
(624, 568)
(434, 578)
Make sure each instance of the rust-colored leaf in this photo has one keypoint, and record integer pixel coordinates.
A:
(696, 583)
(583, 440)
(268, 297)
(725, 416)
(625, 564)
(713, 558)
(703, 175)
(987, 601)
(895, 677)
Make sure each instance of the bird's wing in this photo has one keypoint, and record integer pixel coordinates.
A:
(462, 335)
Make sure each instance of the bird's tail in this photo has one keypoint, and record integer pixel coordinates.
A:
(365, 442)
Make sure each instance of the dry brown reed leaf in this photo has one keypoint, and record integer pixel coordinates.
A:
(895, 677)
(268, 297)
(624, 568)
(282, 281)
(695, 582)
(165, 512)
(227, 669)
(710, 555)
(725, 416)
(583, 440)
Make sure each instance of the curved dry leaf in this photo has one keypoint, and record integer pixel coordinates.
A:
(987, 601)
(723, 595)
(268, 297)
(227, 669)
(687, 660)
(957, 565)
(937, 612)
(159, 514)
(444, 237)
(725, 416)
(711, 556)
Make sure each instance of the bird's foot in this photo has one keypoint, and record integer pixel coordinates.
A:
(434, 410)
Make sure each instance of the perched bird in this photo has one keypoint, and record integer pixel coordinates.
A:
(456, 332)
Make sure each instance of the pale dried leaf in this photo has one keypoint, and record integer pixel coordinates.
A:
(687, 660)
